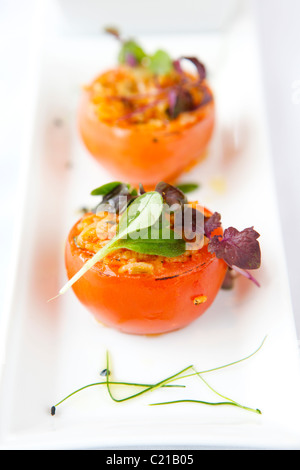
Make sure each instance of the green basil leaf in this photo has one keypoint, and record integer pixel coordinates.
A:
(188, 187)
(143, 212)
(105, 188)
(160, 63)
(155, 241)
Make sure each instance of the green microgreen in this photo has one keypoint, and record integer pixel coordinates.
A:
(188, 187)
(105, 188)
(160, 63)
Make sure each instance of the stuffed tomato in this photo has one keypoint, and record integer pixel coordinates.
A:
(151, 262)
(148, 119)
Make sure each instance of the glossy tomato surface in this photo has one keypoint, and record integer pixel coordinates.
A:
(140, 153)
(146, 304)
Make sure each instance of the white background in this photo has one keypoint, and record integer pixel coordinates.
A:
(279, 34)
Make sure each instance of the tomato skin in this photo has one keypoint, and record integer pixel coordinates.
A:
(143, 304)
(134, 155)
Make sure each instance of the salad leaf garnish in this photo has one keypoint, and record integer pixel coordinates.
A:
(160, 63)
(171, 195)
(151, 242)
(180, 101)
(187, 187)
(201, 70)
(212, 223)
(240, 249)
(105, 188)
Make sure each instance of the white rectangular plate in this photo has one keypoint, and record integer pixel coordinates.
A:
(53, 348)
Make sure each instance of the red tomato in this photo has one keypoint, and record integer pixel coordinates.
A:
(146, 304)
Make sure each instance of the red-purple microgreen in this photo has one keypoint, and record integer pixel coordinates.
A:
(212, 223)
(171, 194)
(180, 101)
(201, 70)
(166, 383)
(240, 249)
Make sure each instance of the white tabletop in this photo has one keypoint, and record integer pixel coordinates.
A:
(278, 26)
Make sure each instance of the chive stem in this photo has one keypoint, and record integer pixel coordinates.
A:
(225, 365)
(167, 383)
(230, 403)
(148, 389)
(132, 384)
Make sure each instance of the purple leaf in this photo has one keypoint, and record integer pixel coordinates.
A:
(199, 66)
(180, 101)
(239, 249)
(177, 66)
(171, 195)
(212, 223)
